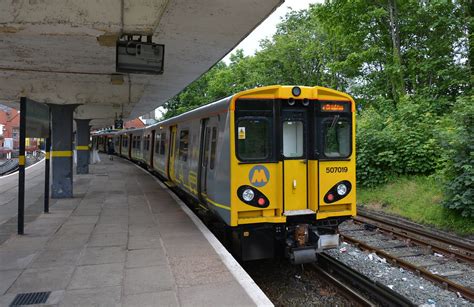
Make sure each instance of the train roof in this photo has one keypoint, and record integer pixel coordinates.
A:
(224, 104)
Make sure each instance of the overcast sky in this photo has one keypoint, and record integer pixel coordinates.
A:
(268, 27)
(265, 30)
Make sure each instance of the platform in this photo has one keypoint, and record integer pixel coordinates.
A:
(123, 240)
(34, 185)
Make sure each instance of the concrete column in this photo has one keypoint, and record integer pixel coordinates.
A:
(61, 153)
(82, 145)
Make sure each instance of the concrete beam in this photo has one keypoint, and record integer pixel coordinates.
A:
(63, 51)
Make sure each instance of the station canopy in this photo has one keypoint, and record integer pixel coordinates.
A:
(64, 51)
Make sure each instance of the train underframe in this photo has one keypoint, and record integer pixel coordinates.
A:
(300, 239)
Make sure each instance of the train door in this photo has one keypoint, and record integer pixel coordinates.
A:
(203, 158)
(172, 154)
(294, 140)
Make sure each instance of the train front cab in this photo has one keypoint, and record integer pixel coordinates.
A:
(293, 172)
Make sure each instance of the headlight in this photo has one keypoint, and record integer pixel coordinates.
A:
(296, 91)
(248, 195)
(341, 189)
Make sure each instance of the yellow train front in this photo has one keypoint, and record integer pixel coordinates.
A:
(293, 171)
(276, 165)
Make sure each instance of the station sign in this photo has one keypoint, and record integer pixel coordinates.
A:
(37, 118)
(34, 123)
(118, 124)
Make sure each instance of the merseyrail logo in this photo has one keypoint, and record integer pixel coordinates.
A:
(259, 176)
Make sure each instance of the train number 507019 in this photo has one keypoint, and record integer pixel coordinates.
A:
(336, 169)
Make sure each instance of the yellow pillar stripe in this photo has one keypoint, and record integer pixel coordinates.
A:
(21, 160)
(61, 153)
(82, 147)
(48, 155)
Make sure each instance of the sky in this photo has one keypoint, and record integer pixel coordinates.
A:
(268, 27)
(265, 30)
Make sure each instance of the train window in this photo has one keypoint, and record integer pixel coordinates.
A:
(207, 139)
(336, 137)
(163, 143)
(125, 142)
(293, 139)
(157, 143)
(183, 145)
(139, 142)
(213, 147)
(253, 138)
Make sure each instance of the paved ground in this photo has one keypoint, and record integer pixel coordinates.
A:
(122, 240)
(34, 186)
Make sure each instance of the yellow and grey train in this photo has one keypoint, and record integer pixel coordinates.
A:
(275, 164)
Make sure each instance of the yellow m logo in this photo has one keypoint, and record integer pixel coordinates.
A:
(259, 176)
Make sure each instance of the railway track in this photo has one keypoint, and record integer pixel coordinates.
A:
(415, 249)
(351, 283)
(447, 245)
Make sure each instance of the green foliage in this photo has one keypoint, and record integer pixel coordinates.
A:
(418, 198)
(394, 143)
(459, 172)
(406, 62)
(348, 46)
(375, 149)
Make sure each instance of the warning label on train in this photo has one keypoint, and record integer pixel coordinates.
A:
(241, 133)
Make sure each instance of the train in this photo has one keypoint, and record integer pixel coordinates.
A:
(275, 165)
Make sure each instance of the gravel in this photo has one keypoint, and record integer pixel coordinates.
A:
(290, 285)
(417, 289)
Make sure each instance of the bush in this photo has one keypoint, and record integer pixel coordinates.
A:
(459, 171)
(399, 142)
(375, 149)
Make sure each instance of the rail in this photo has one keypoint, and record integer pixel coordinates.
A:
(444, 282)
(347, 279)
(463, 250)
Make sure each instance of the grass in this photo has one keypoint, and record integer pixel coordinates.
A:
(418, 199)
